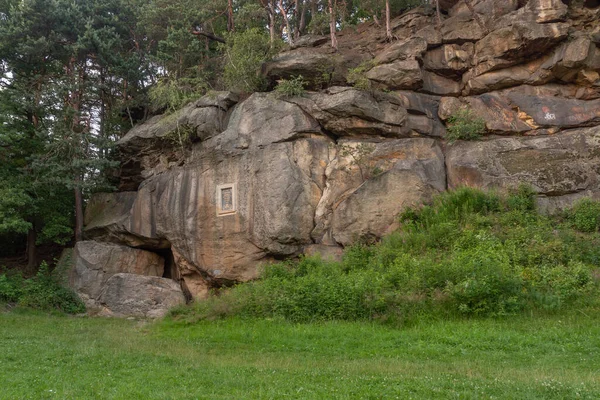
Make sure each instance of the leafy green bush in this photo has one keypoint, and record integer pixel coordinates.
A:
(468, 253)
(43, 292)
(357, 76)
(172, 94)
(463, 125)
(245, 52)
(291, 87)
(585, 215)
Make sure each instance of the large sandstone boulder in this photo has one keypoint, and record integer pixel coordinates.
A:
(156, 145)
(270, 160)
(129, 295)
(397, 75)
(95, 263)
(524, 109)
(369, 184)
(352, 112)
(556, 166)
(511, 45)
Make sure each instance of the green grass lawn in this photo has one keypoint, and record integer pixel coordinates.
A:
(59, 357)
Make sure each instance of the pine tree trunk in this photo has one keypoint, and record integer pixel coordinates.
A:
(302, 25)
(78, 211)
(286, 21)
(388, 28)
(230, 24)
(332, 27)
(272, 21)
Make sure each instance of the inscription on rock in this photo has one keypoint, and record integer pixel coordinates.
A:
(226, 199)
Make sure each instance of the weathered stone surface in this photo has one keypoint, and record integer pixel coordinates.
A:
(527, 108)
(408, 49)
(461, 29)
(436, 84)
(422, 111)
(450, 60)
(313, 64)
(351, 112)
(277, 190)
(261, 120)
(368, 184)
(545, 11)
(95, 263)
(487, 8)
(531, 73)
(556, 165)
(552, 111)
(511, 45)
(154, 146)
(397, 75)
(108, 219)
(129, 295)
(309, 41)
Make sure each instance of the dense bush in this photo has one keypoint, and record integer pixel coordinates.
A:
(291, 87)
(463, 125)
(43, 292)
(585, 215)
(357, 77)
(244, 54)
(468, 253)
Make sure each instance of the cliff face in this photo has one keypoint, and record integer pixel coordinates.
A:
(227, 183)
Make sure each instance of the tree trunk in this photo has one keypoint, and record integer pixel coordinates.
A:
(78, 210)
(438, 13)
(388, 27)
(272, 21)
(32, 262)
(230, 24)
(296, 18)
(286, 20)
(332, 27)
(302, 25)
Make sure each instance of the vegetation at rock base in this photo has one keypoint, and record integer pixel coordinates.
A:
(526, 357)
(44, 291)
(463, 125)
(470, 253)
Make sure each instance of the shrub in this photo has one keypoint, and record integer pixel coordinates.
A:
(43, 292)
(522, 198)
(585, 215)
(357, 76)
(468, 253)
(172, 94)
(291, 87)
(245, 52)
(463, 125)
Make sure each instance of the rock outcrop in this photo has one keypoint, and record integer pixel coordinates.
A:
(214, 191)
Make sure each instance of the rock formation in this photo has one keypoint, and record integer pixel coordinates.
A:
(212, 192)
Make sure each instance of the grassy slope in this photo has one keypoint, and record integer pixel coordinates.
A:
(51, 357)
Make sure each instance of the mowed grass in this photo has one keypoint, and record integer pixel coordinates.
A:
(57, 357)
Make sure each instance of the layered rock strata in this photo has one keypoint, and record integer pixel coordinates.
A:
(228, 183)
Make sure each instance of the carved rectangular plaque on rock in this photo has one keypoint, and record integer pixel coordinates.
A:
(226, 199)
